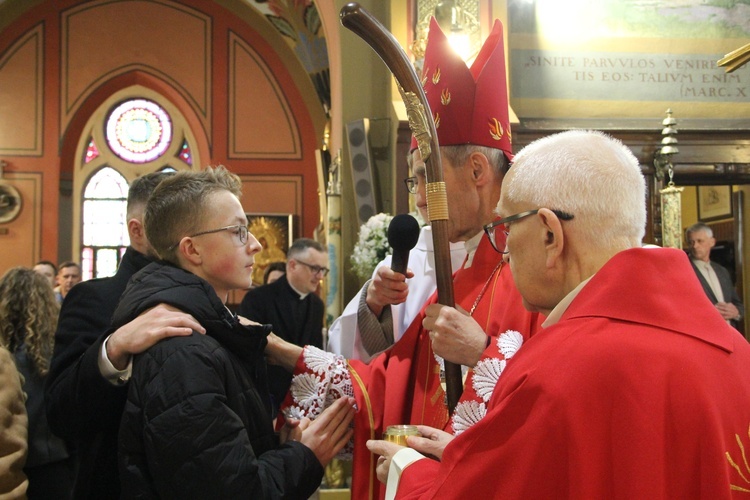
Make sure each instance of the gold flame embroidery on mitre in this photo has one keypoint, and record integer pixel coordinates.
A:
(425, 72)
(437, 120)
(736, 487)
(445, 97)
(496, 130)
(436, 77)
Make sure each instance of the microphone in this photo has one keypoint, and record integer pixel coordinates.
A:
(403, 233)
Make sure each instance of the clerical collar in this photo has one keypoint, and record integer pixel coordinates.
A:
(471, 246)
(562, 306)
(301, 295)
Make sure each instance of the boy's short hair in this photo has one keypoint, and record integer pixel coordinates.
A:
(178, 206)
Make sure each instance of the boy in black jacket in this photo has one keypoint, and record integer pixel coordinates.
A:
(197, 422)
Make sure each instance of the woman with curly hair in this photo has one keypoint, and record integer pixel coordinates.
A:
(28, 317)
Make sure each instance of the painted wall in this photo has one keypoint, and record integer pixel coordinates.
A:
(236, 82)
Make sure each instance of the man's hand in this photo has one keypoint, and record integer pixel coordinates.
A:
(387, 288)
(728, 310)
(432, 442)
(328, 433)
(386, 450)
(150, 327)
(455, 335)
(281, 353)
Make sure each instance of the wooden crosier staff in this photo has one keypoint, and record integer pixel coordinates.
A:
(422, 125)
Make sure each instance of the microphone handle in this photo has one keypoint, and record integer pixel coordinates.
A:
(399, 260)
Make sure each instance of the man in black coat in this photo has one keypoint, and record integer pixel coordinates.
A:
(291, 306)
(85, 390)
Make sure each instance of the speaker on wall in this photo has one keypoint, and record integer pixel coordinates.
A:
(361, 159)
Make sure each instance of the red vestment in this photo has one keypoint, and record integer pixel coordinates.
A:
(402, 385)
(641, 390)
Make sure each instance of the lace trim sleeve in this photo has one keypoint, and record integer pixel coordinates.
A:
(473, 406)
(325, 379)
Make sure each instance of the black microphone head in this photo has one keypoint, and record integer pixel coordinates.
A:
(403, 232)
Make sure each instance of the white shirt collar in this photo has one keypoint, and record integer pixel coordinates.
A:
(701, 264)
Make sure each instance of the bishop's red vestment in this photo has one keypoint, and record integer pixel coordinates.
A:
(641, 390)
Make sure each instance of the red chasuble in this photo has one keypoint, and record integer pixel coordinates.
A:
(641, 390)
(402, 384)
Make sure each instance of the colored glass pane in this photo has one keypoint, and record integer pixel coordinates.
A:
(91, 151)
(104, 223)
(105, 232)
(106, 262)
(185, 154)
(139, 131)
(87, 264)
(107, 183)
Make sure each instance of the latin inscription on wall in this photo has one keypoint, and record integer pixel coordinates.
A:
(627, 59)
(625, 76)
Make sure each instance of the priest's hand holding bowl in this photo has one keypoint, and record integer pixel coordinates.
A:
(431, 443)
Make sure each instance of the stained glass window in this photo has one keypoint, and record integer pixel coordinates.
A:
(138, 130)
(184, 154)
(105, 232)
(91, 151)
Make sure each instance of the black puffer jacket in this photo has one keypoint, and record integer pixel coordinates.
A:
(197, 422)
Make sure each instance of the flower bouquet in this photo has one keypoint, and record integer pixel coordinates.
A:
(372, 245)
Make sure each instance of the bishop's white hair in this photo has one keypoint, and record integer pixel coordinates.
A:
(588, 174)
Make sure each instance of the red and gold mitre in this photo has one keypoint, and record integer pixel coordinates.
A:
(469, 105)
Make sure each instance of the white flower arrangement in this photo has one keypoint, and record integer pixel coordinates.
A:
(372, 245)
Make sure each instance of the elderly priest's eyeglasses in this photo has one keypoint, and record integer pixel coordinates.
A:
(240, 231)
(492, 234)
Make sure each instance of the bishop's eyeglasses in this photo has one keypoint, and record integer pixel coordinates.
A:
(492, 234)
(411, 184)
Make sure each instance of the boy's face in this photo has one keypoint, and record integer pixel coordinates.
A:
(226, 263)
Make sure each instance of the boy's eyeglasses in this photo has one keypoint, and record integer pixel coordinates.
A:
(240, 228)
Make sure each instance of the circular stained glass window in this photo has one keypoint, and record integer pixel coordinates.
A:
(139, 131)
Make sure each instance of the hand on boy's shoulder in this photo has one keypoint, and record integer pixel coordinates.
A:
(150, 327)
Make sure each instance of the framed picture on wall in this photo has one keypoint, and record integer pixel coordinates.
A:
(275, 232)
(714, 202)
